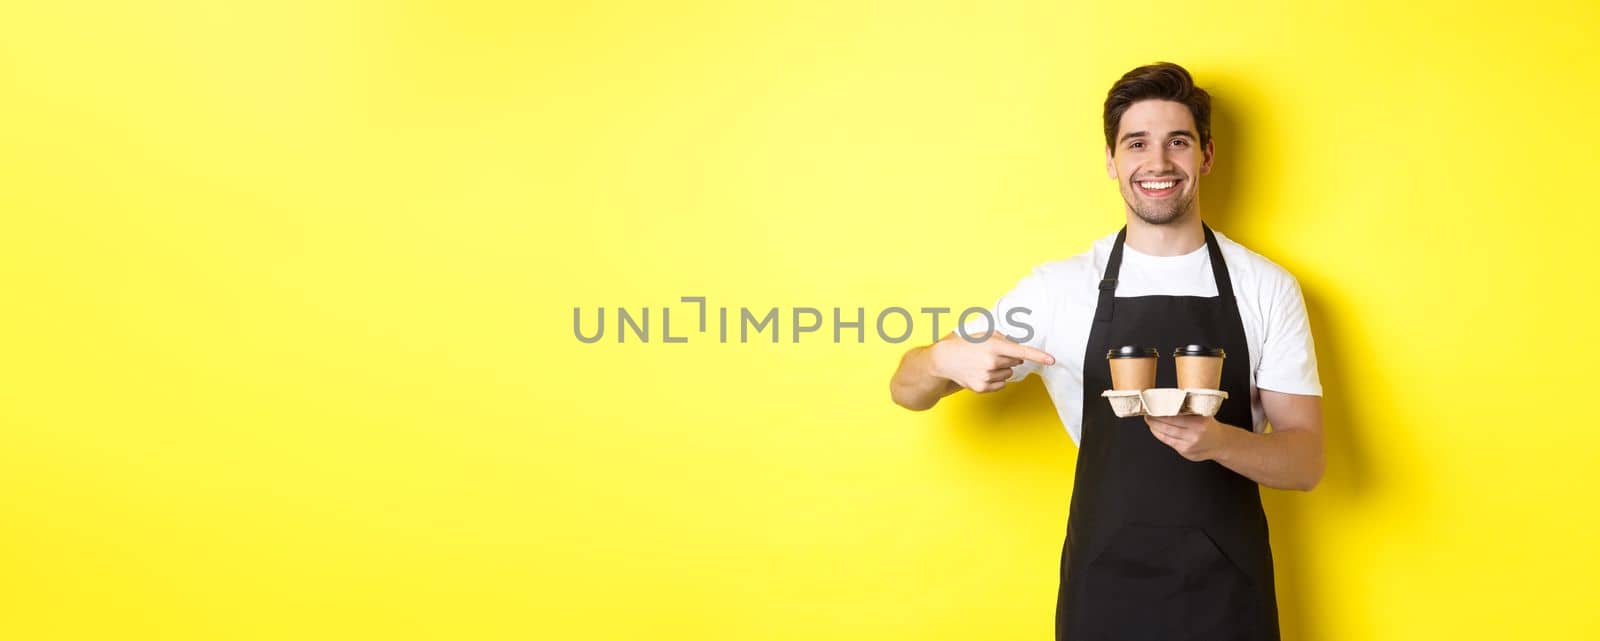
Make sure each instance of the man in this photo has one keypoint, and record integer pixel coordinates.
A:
(1166, 538)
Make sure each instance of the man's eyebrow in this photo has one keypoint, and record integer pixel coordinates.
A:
(1176, 133)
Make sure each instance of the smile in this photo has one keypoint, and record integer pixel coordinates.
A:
(1158, 188)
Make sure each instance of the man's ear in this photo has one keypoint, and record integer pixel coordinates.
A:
(1111, 167)
(1210, 153)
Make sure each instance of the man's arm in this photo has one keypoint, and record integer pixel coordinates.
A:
(927, 374)
(915, 386)
(1289, 457)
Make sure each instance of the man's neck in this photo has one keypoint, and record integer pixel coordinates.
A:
(1176, 238)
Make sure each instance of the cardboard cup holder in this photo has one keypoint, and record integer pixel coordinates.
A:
(1165, 401)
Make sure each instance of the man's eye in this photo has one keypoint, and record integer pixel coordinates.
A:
(1135, 145)
(1181, 142)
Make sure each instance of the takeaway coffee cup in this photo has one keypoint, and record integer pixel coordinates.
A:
(1199, 366)
(1133, 367)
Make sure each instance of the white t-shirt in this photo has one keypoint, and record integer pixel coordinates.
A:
(1062, 296)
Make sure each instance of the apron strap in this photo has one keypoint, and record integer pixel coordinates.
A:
(1219, 267)
(1108, 282)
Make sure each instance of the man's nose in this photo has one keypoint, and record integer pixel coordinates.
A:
(1163, 159)
(1160, 165)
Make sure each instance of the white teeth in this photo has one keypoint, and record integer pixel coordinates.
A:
(1160, 185)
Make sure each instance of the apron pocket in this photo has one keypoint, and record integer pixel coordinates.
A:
(1166, 583)
(1221, 601)
(1133, 589)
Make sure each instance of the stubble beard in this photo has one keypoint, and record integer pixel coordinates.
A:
(1163, 212)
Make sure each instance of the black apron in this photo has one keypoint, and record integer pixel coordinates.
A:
(1157, 546)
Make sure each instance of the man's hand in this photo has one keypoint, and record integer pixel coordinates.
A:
(1289, 457)
(1197, 438)
(985, 366)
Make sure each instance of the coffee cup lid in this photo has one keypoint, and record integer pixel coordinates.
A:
(1198, 350)
(1133, 351)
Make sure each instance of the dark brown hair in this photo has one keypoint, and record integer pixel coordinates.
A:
(1160, 81)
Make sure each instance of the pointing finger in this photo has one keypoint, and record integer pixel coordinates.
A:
(1026, 353)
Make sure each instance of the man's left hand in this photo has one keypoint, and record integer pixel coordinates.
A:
(1197, 438)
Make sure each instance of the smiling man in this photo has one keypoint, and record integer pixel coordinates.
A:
(1166, 538)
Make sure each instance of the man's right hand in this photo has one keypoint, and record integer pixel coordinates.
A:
(984, 366)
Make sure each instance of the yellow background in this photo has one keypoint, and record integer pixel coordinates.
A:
(286, 342)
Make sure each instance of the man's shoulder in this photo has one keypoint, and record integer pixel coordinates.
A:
(1251, 266)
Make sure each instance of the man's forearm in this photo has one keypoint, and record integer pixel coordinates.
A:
(1287, 460)
(915, 386)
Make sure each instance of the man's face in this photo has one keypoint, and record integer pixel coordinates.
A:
(1157, 161)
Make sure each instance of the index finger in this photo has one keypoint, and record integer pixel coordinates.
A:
(1007, 348)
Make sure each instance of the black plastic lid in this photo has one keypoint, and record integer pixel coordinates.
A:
(1133, 351)
(1198, 350)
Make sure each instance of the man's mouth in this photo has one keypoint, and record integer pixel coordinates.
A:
(1158, 188)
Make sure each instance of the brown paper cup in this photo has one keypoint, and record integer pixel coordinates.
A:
(1199, 367)
(1132, 367)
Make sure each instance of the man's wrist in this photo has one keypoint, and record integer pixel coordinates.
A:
(1229, 439)
(933, 362)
